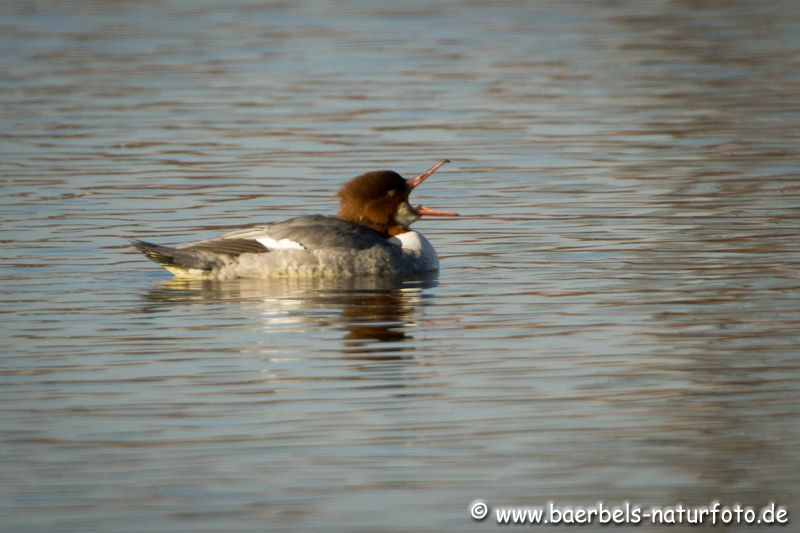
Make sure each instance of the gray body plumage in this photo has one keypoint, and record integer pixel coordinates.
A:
(307, 246)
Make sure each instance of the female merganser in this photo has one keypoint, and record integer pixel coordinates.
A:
(370, 236)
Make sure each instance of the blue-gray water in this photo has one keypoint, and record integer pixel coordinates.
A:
(618, 311)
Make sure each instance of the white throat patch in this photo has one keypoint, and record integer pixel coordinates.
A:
(405, 215)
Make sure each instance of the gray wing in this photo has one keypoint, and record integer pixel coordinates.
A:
(227, 246)
(311, 232)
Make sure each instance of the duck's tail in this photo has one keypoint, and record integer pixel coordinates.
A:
(181, 263)
(163, 255)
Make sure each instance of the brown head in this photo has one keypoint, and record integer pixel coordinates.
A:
(379, 201)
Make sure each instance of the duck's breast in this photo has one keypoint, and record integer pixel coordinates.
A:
(419, 254)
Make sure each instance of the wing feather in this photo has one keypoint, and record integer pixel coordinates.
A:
(227, 246)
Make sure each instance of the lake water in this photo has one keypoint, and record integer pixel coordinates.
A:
(617, 316)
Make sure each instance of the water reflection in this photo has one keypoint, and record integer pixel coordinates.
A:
(375, 314)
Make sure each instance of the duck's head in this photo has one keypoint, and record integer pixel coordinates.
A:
(379, 201)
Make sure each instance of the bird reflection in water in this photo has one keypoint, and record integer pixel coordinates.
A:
(375, 313)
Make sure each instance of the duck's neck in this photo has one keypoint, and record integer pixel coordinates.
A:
(383, 228)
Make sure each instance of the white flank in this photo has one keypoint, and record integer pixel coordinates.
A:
(283, 244)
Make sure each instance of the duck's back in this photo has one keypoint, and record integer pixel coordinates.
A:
(314, 232)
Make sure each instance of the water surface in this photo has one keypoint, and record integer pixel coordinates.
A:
(616, 317)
